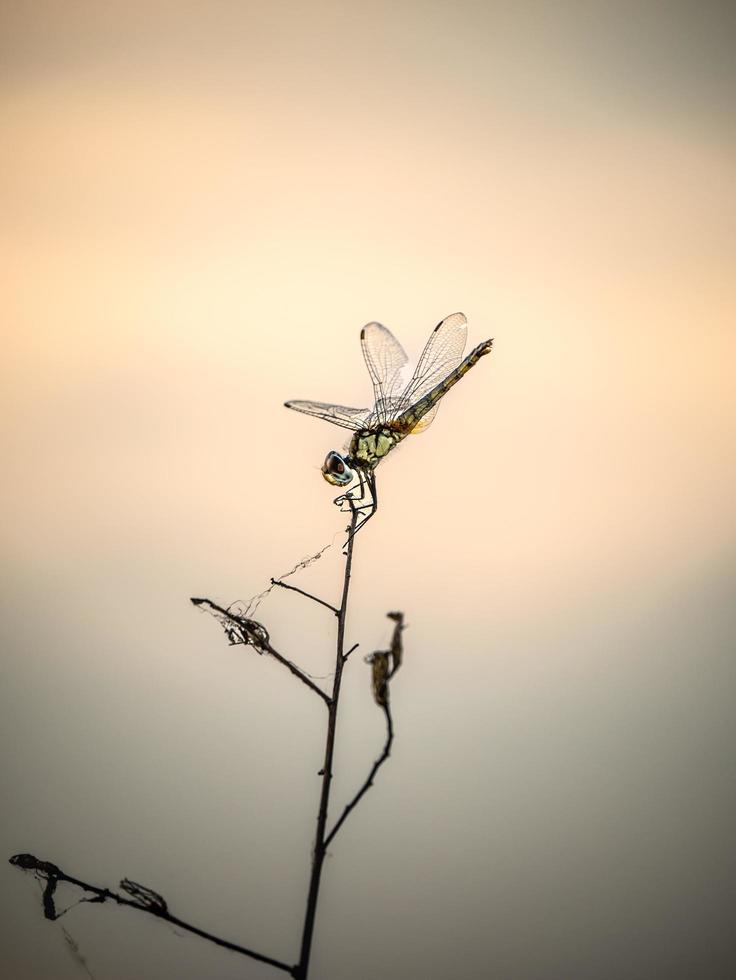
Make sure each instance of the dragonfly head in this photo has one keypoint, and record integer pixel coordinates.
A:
(336, 471)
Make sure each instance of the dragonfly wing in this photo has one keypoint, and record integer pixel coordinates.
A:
(442, 353)
(385, 359)
(348, 418)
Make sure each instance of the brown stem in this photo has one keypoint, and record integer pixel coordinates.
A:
(320, 845)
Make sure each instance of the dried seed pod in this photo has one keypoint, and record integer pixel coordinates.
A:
(238, 628)
(379, 661)
(397, 648)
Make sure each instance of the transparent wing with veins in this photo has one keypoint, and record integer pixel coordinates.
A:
(386, 361)
(442, 353)
(348, 418)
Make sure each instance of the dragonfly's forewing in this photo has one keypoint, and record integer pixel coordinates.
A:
(442, 353)
(348, 418)
(385, 359)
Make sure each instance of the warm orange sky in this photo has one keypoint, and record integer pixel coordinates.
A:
(202, 204)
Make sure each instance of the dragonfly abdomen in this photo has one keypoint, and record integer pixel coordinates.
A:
(409, 419)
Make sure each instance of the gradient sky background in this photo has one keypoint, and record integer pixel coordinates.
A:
(202, 204)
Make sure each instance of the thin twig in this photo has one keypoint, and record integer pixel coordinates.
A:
(53, 874)
(371, 776)
(352, 648)
(298, 673)
(314, 598)
(250, 633)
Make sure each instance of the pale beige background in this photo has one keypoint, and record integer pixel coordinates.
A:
(202, 204)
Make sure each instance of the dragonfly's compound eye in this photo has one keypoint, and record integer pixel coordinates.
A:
(336, 470)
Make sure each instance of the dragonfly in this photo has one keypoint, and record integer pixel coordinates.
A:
(400, 407)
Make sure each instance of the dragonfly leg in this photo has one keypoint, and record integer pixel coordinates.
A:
(348, 495)
(374, 494)
(362, 485)
(372, 505)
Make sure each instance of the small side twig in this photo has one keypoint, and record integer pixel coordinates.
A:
(144, 900)
(371, 776)
(298, 673)
(314, 598)
(352, 648)
(384, 665)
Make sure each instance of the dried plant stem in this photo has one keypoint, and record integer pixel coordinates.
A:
(242, 630)
(320, 843)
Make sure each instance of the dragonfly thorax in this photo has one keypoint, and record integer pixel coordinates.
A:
(367, 449)
(369, 446)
